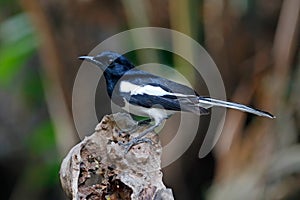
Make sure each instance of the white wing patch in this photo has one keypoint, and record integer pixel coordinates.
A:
(151, 90)
(133, 89)
(128, 87)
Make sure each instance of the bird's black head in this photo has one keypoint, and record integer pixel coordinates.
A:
(110, 62)
(114, 66)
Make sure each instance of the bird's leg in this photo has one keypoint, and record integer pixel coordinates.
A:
(145, 122)
(139, 138)
(139, 122)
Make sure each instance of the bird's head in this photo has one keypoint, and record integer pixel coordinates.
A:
(110, 62)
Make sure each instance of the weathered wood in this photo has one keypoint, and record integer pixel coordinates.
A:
(99, 168)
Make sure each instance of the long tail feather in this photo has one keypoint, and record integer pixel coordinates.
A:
(207, 102)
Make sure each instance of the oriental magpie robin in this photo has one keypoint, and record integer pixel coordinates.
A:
(144, 94)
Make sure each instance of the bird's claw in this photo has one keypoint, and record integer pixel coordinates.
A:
(134, 141)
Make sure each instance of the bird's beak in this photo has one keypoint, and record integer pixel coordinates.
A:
(86, 57)
(92, 60)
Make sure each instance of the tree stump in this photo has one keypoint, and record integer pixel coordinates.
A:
(99, 167)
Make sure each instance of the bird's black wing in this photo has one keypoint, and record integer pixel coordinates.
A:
(155, 91)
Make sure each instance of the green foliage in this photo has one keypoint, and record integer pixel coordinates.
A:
(42, 175)
(17, 44)
(41, 145)
(42, 139)
(139, 118)
(32, 89)
(21, 79)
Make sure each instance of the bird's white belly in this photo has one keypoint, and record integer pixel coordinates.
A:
(154, 113)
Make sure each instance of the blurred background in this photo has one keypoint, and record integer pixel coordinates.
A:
(255, 44)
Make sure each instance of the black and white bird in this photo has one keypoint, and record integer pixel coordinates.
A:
(144, 94)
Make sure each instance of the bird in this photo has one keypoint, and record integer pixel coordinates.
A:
(144, 94)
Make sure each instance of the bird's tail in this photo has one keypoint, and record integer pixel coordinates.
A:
(207, 102)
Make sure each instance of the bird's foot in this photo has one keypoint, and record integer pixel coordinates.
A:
(134, 141)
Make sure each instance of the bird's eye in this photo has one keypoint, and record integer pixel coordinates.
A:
(111, 60)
